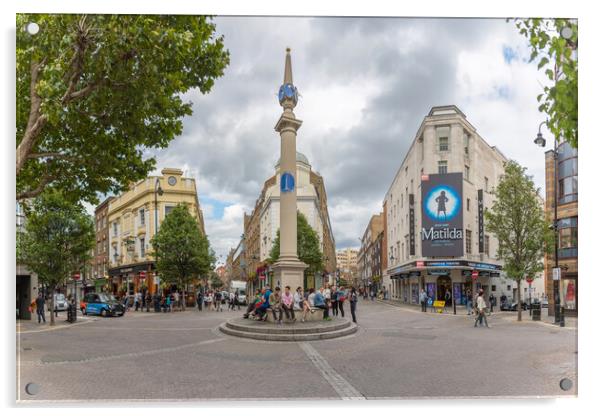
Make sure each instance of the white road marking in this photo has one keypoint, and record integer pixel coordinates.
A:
(344, 389)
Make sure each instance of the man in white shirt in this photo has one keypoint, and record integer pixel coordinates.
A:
(481, 308)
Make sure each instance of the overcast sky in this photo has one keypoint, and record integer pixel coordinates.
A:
(365, 85)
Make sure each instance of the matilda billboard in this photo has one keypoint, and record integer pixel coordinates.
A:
(442, 216)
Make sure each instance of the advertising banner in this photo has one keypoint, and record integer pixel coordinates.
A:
(442, 215)
(412, 226)
(481, 222)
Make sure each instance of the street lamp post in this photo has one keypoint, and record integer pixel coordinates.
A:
(158, 190)
(558, 312)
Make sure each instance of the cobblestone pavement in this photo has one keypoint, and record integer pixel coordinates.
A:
(397, 353)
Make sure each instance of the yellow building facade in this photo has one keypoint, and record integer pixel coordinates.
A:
(134, 218)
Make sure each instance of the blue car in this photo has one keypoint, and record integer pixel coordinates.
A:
(103, 304)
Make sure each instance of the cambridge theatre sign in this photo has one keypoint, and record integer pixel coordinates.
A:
(442, 215)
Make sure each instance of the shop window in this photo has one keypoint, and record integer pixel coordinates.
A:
(569, 293)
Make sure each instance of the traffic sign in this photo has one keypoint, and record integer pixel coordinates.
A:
(556, 273)
(76, 276)
(475, 274)
(143, 274)
(529, 279)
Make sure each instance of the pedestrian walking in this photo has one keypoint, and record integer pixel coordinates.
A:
(423, 299)
(468, 302)
(231, 297)
(341, 296)
(447, 298)
(353, 303)
(168, 302)
(481, 309)
(491, 303)
(40, 302)
(149, 299)
(332, 297)
(199, 300)
(218, 301)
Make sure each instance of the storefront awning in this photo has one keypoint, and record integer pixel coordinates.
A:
(439, 265)
(132, 268)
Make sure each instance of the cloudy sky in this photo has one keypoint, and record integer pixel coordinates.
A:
(365, 85)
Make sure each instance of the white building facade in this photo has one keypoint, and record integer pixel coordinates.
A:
(446, 146)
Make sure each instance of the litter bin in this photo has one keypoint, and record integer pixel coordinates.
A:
(536, 311)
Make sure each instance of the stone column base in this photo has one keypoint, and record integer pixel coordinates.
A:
(288, 273)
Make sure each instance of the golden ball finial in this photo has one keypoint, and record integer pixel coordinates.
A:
(288, 50)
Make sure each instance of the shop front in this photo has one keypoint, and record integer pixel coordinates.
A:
(457, 278)
(132, 278)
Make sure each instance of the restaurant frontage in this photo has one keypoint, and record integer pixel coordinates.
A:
(458, 278)
(132, 278)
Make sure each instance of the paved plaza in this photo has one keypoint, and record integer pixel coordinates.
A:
(396, 353)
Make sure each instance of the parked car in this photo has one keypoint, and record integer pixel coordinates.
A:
(512, 306)
(103, 304)
(60, 303)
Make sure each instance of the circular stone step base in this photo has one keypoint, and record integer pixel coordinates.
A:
(297, 332)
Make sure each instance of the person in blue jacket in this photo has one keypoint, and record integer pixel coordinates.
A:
(320, 302)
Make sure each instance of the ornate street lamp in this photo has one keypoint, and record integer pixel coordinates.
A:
(558, 310)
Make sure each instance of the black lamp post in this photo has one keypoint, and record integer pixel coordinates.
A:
(158, 190)
(558, 311)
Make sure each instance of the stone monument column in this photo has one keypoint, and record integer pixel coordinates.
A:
(288, 270)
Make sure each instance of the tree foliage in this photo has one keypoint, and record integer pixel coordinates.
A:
(558, 101)
(216, 282)
(182, 252)
(57, 240)
(517, 220)
(308, 246)
(95, 91)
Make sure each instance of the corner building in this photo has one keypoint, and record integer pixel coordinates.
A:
(435, 236)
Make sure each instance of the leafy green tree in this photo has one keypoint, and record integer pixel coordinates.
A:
(182, 252)
(58, 237)
(558, 101)
(308, 246)
(94, 92)
(517, 220)
(216, 282)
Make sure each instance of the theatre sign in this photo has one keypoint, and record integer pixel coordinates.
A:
(442, 215)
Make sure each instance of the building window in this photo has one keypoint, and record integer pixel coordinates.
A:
(467, 204)
(467, 173)
(493, 288)
(114, 229)
(168, 209)
(567, 237)
(468, 242)
(142, 252)
(486, 244)
(442, 167)
(466, 139)
(442, 134)
(486, 184)
(142, 216)
(443, 144)
(508, 287)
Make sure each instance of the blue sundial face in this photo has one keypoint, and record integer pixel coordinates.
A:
(287, 91)
(287, 182)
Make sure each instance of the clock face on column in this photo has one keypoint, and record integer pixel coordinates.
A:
(288, 91)
(172, 180)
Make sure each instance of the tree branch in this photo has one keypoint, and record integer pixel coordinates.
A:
(56, 155)
(35, 121)
(37, 191)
